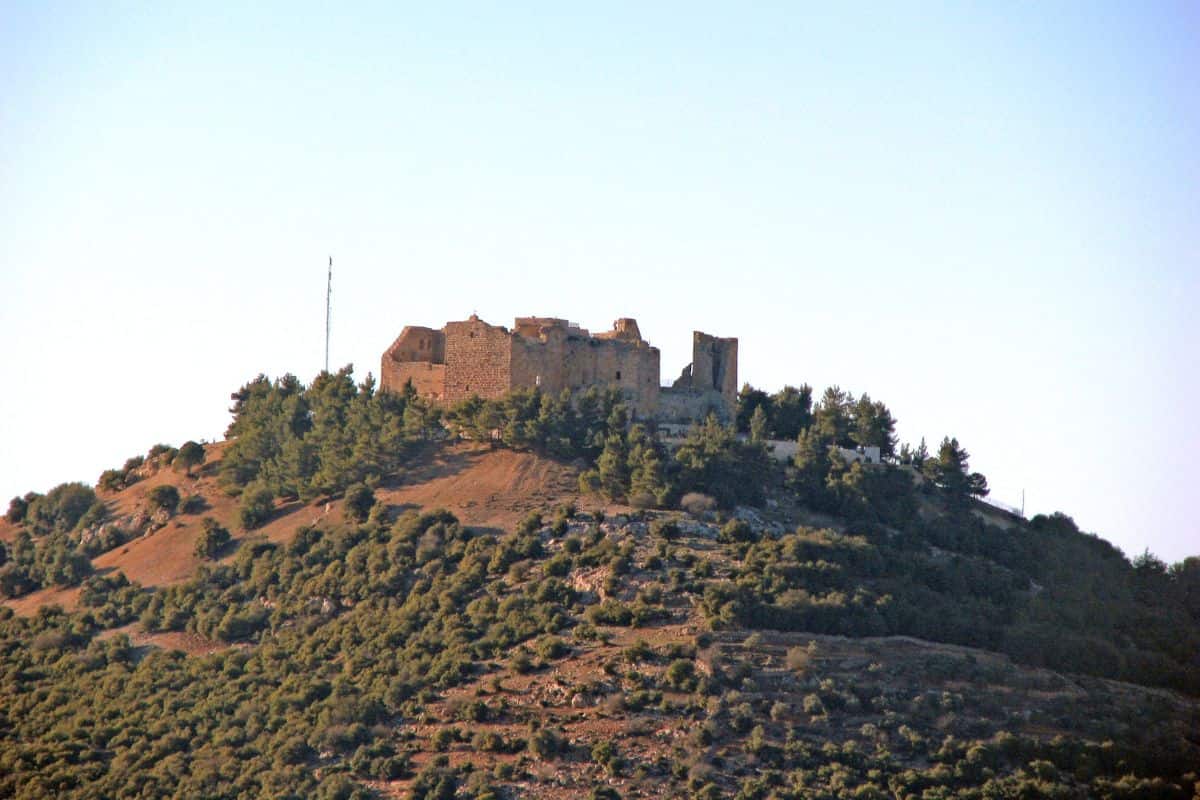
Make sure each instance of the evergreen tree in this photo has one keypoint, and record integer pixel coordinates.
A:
(920, 455)
(950, 471)
(791, 411)
(812, 465)
(613, 464)
(213, 537)
(359, 501)
(750, 399)
(330, 399)
(874, 426)
(17, 508)
(713, 461)
(647, 483)
(833, 417)
(190, 455)
(758, 425)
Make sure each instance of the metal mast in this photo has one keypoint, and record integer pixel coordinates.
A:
(328, 309)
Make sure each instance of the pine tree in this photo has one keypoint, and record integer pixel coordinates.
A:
(920, 455)
(874, 426)
(812, 465)
(791, 411)
(833, 416)
(749, 400)
(613, 466)
(758, 425)
(950, 471)
(645, 463)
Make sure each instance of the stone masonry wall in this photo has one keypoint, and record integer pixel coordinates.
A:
(416, 343)
(428, 379)
(539, 361)
(683, 406)
(478, 360)
(474, 358)
(560, 360)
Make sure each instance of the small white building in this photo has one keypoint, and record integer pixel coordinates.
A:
(866, 455)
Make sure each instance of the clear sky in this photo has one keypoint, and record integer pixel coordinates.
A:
(987, 218)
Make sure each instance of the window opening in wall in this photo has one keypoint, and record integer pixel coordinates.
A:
(618, 374)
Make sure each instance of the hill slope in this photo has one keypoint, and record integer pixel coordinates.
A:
(467, 624)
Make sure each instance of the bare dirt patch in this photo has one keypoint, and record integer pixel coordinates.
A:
(191, 643)
(481, 486)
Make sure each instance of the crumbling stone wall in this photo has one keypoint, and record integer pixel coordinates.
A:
(416, 343)
(714, 363)
(710, 379)
(684, 406)
(474, 358)
(417, 355)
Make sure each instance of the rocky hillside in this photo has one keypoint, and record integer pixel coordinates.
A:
(533, 642)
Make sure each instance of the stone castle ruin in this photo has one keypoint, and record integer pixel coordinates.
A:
(472, 357)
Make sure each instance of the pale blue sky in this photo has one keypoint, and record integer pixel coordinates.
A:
(986, 218)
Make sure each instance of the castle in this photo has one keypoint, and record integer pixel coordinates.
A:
(471, 357)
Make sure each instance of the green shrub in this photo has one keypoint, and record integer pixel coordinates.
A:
(97, 512)
(190, 454)
(665, 529)
(164, 497)
(589, 482)
(532, 523)
(15, 581)
(258, 503)
(545, 744)
(605, 754)
(17, 508)
(112, 480)
(736, 530)
(60, 509)
(474, 711)
(638, 651)
(610, 612)
(213, 537)
(191, 504)
(559, 566)
(160, 450)
(552, 647)
(443, 738)
(489, 742)
(521, 662)
(360, 499)
(681, 675)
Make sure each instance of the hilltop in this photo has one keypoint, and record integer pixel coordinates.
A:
(342, 600)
